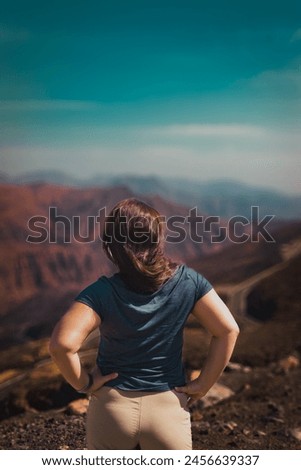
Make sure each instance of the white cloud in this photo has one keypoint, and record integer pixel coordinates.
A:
(212, 130)
(48, 105)
(284, 82)
(281, 85)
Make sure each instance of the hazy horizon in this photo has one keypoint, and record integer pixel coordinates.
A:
(48, 176)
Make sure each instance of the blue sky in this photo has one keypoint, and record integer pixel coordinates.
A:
(191, 88)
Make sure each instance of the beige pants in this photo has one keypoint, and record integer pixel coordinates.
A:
(126, 420)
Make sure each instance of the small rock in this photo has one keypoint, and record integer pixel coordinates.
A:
(196, 415)
(236, 367)
(260, 433)
(231, 425)
(274, 419)
(216, 394)
(78, 407)
(296, 433)
(194, 374)
(289, 363)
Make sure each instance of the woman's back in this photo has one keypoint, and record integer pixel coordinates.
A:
(142, 334)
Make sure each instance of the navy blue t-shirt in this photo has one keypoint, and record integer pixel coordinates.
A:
(142, 334)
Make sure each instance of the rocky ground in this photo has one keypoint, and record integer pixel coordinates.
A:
(252, 408)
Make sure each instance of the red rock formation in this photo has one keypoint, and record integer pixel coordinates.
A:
(39, 280)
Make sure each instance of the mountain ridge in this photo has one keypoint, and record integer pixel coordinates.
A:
(223, 197)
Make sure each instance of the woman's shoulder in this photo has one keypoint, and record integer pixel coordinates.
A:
(190, 272)
(197, 280)
(100, 284)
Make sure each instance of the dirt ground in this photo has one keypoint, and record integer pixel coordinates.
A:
(263, 413)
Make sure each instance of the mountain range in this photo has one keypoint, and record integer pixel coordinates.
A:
(225, 198)
(39, 278)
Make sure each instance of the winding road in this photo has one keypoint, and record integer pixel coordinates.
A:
(237, 294)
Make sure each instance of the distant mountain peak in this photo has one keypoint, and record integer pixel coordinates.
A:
(222, 196)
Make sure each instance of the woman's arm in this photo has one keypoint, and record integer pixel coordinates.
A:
(215, 316)
(65, 342)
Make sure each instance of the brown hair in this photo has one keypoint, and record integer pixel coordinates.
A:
(133, 240)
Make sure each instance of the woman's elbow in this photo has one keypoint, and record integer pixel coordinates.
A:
(58, 347)
(235, 330)
(231, 331)
(54, 348)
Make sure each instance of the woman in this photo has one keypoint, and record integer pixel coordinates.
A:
(138, 391)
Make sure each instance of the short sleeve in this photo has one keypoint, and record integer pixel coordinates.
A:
(203, 286)
(91, 296)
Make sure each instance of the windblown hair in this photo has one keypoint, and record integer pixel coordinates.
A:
(133, 239)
